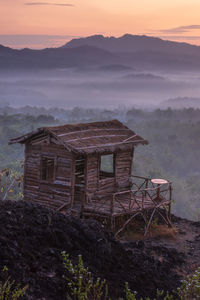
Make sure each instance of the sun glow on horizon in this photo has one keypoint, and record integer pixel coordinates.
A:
(63, 20)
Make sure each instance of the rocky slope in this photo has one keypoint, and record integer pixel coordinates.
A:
(32, 238)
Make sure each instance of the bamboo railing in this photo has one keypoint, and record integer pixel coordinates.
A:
(142, 195)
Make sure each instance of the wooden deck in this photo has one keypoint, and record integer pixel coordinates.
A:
(143, 196)
(124, 205)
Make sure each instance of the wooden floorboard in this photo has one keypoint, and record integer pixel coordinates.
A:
(122, 206)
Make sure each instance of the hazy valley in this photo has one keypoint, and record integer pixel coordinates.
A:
(129, 71)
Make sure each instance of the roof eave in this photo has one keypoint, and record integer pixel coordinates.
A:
(22, 139)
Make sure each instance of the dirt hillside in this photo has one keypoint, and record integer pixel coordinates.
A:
(32, 238)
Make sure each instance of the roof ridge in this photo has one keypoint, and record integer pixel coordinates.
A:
(87, 124)
(88, 138)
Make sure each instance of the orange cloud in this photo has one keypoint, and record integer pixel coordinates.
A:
(47, 3)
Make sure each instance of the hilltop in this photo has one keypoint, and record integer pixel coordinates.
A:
(51, 58)
(134, 43)
(32, 238)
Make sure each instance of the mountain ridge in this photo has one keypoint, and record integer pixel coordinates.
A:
(130, 43)
(54, 57)
(143, 52)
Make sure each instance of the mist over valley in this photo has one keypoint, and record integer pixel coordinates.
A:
(129, 71)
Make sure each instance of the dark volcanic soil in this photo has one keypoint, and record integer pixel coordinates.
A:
(32, 238)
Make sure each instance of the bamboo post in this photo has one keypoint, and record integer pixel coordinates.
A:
(170, 200)
(146, 186)
(112, 204)
(83, 194)
(112, 221)
(73, 182)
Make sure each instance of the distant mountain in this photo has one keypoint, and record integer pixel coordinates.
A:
(181, 102)
(115, 68)
(145, 52)
(143, 77)
(107, 54)
(134, 43)
(54, 57)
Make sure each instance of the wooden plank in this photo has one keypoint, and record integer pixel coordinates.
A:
(73, 180)
(93, 129)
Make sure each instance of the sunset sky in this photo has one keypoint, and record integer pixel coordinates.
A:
(50, 23)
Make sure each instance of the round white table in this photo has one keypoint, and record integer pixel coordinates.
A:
(159, 182)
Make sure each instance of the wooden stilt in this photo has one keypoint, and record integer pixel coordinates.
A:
(126, 223)
(150, 220)
(112, 223)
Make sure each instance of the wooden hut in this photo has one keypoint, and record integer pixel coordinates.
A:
(84, 169)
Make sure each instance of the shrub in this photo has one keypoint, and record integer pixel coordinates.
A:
(11, 184)
(9, 290)
(190, 287)
(83, 286)
(81, 282)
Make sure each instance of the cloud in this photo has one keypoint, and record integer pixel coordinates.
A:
(181, 37)
(180, 29)
(194, 40)
(48, 3)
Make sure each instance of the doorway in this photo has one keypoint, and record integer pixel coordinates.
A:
(79, 178)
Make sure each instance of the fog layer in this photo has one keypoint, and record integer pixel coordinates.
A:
(109, 85)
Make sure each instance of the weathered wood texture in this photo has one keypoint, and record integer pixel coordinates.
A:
(139, 199)
(79, 177)
(89, 138)
(123, 166)
(124, 160)
(92, 173)
(51, 194)
(68, 186)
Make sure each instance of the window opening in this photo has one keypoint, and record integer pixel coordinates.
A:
(107, 166)
(47, 169)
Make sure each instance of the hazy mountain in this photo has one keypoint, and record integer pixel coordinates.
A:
(128, 51)
(115, 68)
(134, 43)
(55, 57)
(145, 51)
(97, 71)
(143, 77)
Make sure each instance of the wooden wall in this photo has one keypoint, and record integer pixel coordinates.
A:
(61, 190)
(124, 161)
(92, 173)
(123, 167)
(50, 194)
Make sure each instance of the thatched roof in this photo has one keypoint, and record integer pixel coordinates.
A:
(88, 138)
